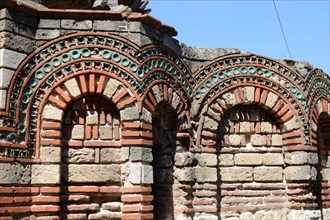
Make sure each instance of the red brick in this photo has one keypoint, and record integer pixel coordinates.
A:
(50, 190)
(63, 95)
(125, 102)
(84, 189)
(51, 134)
(83, 84)
(91, 83)
(137, 189)
(6, 200)
(131, 198)
(100, 85)
(137, 142)
(16, 209)
(50, 142)
(131, 208)
(110, 189)
(57, 102)
(22, 199)
(45, 208)
(51, 125)
(119, 96)
(45, 199)
(6, 218)
(147, 198)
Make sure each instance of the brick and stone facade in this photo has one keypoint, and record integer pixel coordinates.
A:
(104, 115)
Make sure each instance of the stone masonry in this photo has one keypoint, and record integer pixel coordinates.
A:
(104, 115)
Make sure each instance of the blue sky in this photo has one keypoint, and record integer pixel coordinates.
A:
(252, 26)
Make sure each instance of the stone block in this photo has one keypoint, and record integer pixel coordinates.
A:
(3, 97)
(112, 155)
(246, 216)
(266, 127)
(77, 25)
(206, 174)
(17, 42)
(94, 173)
(175, 101)
(15, 173)
(245, 127)
(206, 159)
(273, 159)
(229, 99)
(226, 159)
(49, 23)
(236, 174)
(45, 174)
(271, 215)
(50, 154)
(183, 159)
(325, 174)
(146, 116)
(73, 88)
(277, 140)
(141, 154)
(301, 157)
(156, 92)
(297, 173)
(290, 125)
(129, 114)
(110, 25)
(184, 174)
(111, 88)
(52, 113)
(256, 140)
(79, 155)
(249, 94)
(135, 173)
(10, 59)
(271, 100)
(78, 132)
(92, 118)
(268, 174)
(248, 159)
(307, 214)
(235, 140)
(112, 206)
(147, 174)
(106, 133)
(47, 34)
(210, 124)
(5, 77)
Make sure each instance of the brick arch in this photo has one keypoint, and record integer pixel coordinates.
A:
(72, 88)
(247, 94)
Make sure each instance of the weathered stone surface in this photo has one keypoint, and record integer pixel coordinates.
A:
(141, 154)
(73, 88)
(175, 101)
(184, 174)
(229, 99)
(105, 215)
(78, 25)
(130, 113)
(183, 159)
(246, 216)
(271, 100)
(277, 140)
(226, 159)
(10, 59)
(235, 140)
(294, 173)
(78, 132)
(5, 77)
(206, 159)
(301, 157)
(290, 125)
(135, 173)
(210, 124)
(271, 215)
(15, 173)
(49, 23)
(256, 140)
(47, 34)
(245, 127)
(109, 25)
(266, 174)
(112, 155)
(93, 173)
(206, 174)
(156, 92)
(306, 214)
(147, 174)
(50, 154)
(248, 159)
(232, 174)
(80, 155)
(111, 88)
(45, 174)
(266, 127)
(3, 95)
(112, 206)
(52, 113)
(249, 94)
(92, 118)
(273, 159)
